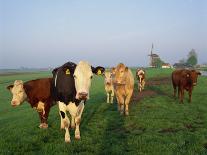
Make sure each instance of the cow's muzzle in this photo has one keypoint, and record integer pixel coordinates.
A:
(82, 95)
(14, 103)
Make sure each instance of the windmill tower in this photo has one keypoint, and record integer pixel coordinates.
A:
(151, 56)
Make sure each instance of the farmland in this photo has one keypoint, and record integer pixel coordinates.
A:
(157, 123)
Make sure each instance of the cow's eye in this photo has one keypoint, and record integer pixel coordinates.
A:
(74, 76)
(91, 76)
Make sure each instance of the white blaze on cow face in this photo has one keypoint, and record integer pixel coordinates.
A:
(18, 93)
(83, 75)
(108, 77)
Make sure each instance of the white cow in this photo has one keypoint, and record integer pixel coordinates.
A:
(71, 88)
(109, 88)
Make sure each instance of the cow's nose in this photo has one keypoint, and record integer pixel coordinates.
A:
(13, 103)
(194, 84)
(83, 95)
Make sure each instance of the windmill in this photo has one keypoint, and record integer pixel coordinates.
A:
(153, 57)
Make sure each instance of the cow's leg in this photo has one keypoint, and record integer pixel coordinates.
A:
(41, 119)
(108, 97)
(175, 90)
(40, 108)
(127, 102)
(118, 103)
(65, 120)
(112, 96)
(78, 120)
(121, 104)
(72, 121)
(138, 85)
(45, 115)
(143, 84)
(179, 93)
(190, 95)
(182, 95)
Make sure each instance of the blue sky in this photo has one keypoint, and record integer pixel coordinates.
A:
(48, 33)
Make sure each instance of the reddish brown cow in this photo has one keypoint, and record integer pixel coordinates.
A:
(37, 93)
(184, 80)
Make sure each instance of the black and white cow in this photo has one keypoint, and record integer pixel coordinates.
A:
(71, 84)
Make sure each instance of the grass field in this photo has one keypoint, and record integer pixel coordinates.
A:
(157, 123)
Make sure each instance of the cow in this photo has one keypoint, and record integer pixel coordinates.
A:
(37, 93)
(185, 80)
(71, 84)
(140, 74)
(123, 81)
(109, 88)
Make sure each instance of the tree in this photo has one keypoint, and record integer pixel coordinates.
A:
(192, 58)
(158, 63)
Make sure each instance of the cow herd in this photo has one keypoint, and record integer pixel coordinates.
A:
(70, 86)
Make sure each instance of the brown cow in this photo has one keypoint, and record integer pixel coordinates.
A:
(123, 81)
(184, 80)
(37, 93)
(140, 74)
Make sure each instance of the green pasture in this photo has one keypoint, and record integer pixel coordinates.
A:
(156, 125)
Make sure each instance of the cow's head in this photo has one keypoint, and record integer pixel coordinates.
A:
(18, 92)
(119, 74)
(83, 74)
(194, 76)
(108, 77)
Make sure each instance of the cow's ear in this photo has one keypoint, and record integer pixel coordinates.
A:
(113, 70)
(55, 70)
(126, 69)
(10, 87)
(98, 70)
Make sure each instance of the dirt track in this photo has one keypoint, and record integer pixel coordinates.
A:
(137, 96)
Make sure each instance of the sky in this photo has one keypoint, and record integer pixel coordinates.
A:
(48, 33)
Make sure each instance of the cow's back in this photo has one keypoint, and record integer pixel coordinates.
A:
(176, 77)
(38, 90)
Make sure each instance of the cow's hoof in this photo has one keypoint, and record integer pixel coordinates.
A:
(126, 113)
(77, 137)
(67, 140)
(121, 113)
(43, 126)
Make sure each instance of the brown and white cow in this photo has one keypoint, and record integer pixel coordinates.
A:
(140, 74)
(71, 85)
(109, 88)
(37, 93)
(184, 80)
(123, 81)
